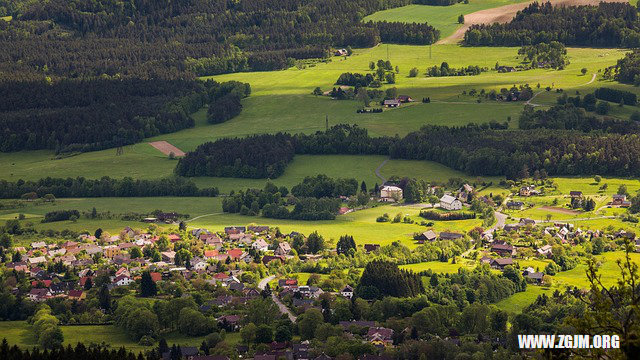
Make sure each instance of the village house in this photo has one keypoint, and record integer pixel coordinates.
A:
(533, 276)
(234, 230)
(122, 280)
(445, 235)
(503, 249)
(77, 295)
(501, 263)
(514, 205)
(391, 103)
(512, 227)
(110, 251)
(39, 295)
(283, 249)
(428, 235)
(168, 256)
(525, 191)
(404, 98)
(526, 221)
(258, 229)
(371, 247)
(287, 283)
(575, 194)
(390, 193)
(448, 202)
(347, 292)
(620, 200)
(380, 336)
(545, 250)
(341, 52)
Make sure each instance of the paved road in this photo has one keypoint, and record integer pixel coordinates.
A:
(501, 220)
(593, 78)
(377, 171)
(282, 307)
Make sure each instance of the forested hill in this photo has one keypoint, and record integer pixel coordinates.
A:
(146, 38)
(606, 25)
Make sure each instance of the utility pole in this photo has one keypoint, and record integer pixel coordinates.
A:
(326, 122)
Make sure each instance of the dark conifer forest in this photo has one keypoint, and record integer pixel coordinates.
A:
(605, 25)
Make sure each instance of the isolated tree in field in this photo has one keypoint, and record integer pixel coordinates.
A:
(363, 96)
(461, 19)
(315, 243)
(414, 72)
(597, 179)
(583, 71)
(372, 66)
(172, 155)
(317, 91)
(622, 190)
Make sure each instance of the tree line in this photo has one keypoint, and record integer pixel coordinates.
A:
(104, 187)
(571, 115)
(474, 149)
(605, 25)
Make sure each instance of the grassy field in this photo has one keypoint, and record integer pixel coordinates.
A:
(515, 303)
(436, 267)
(19, 333)
(281, 101)
(361, 224)
(443, 18)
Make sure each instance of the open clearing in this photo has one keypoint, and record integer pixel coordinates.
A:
(166, 148)
(504, 14)
(561, 210)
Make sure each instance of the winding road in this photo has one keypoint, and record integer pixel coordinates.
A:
(282, 307)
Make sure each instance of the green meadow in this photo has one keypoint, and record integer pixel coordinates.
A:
(20, 333)
(281, 101)
(443, 18)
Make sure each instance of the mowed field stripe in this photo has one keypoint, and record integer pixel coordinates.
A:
(166, 148)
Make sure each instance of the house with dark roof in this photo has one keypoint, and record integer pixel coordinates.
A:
(450, 236)
(371, 247)
(501, 263)
(503, 249)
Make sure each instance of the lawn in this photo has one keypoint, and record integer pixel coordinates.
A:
(518, 301)
(443, 18)
(19, 333)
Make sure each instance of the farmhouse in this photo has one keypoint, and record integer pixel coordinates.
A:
(404, 98)
(450, 236)
(448, 202)
(501, 263)
(371, 247)
(341, 52)
(545, 250)
(503, 249)
(347, 292)
(575, 194)
(515, 205)
(390, 193)
(428, 235)
(391, 103)
(283, 248)
(620, 200)
(260, 245)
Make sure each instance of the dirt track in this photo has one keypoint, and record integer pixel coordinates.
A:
(504, 14)
(167, 148)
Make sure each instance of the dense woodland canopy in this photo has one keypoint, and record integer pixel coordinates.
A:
(606, 25)
(572, 117)
(258, 156)
(90, 114)
(143, 38)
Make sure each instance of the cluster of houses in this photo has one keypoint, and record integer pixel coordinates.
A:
(115, 252)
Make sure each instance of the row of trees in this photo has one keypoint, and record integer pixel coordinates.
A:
(445, 70)
(104, 187)
(607, 25)
(571, 115)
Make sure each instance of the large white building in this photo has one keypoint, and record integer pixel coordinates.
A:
(448, 202)
(390, 193)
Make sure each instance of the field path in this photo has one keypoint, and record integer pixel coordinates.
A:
(593, 78)
(377, 171)
(504, 14)
(166, 148)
